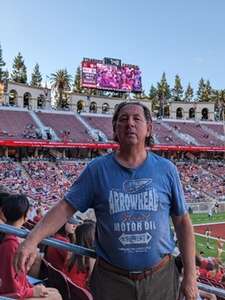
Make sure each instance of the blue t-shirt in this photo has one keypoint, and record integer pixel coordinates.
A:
(132, 207)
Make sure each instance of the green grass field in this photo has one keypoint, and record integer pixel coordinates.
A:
(203, 218)
(201, 241)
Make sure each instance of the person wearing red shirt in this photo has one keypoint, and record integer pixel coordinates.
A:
(39, 215)
(78, 268)
(57, 257)
(11, 283)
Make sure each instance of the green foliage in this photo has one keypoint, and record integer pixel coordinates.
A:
(202, 218)
(177, 91)
(77, 81)
(201, 87)
(163, 88)
(36, 77)
(19, 72)
(2, 64)
(153, 97)
(189, 93)
(205, 91)
(202, 246)
(61, 82)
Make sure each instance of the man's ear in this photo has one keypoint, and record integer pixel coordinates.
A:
(149, 129)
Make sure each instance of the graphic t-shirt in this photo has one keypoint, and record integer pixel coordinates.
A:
(132, 207)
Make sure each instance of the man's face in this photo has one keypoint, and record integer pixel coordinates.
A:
(131, 126)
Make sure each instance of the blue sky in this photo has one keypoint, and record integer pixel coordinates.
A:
(173, 36)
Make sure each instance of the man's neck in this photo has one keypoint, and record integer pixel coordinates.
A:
(131, 158)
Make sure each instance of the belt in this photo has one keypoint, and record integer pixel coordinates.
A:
(133, 275)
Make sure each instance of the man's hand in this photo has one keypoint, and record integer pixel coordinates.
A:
(25, 256)
(188, 289)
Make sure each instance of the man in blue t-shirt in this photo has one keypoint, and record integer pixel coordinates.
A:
(134, 194)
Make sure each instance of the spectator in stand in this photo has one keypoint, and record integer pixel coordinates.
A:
(79, 268)
(15, 211)
(39, 215)
(32, 212)
(215, 274)
(58, 257)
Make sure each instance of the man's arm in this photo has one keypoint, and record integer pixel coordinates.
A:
(49, 224)
(185, 236)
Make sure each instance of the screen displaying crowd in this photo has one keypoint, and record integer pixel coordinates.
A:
(126, 78)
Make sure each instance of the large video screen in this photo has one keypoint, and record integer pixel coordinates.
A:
(88, 74)
(125, 78)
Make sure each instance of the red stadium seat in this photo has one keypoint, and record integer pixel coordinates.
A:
(58, 280)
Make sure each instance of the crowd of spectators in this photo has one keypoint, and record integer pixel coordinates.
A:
(46, 182)
(29, 132)
(210, 270)
(203, 182)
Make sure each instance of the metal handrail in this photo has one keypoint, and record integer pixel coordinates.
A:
(49, 241)
(88, 252)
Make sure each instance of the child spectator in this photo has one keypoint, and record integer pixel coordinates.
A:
(57, 257)
(78, 268)
(15, 211)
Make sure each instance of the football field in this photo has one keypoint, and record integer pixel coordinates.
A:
(216, 224)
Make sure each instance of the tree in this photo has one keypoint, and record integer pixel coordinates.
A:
(164, 94)
(164, 88)
(200, 91)
(36, 77)
(177, 91)
(61, 82)
(153, 97)
(152, 92)
(219, 98)
(189, 93)
(207, 92)
(19, 72)
(2, 64)
(77, 81)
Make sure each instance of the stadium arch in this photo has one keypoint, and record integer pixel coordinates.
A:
(93, 107)
(105, 108)
(26, 100)
(192, 113)
(179, 113)
(13, 97)
(80, 106)
(205, 113)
